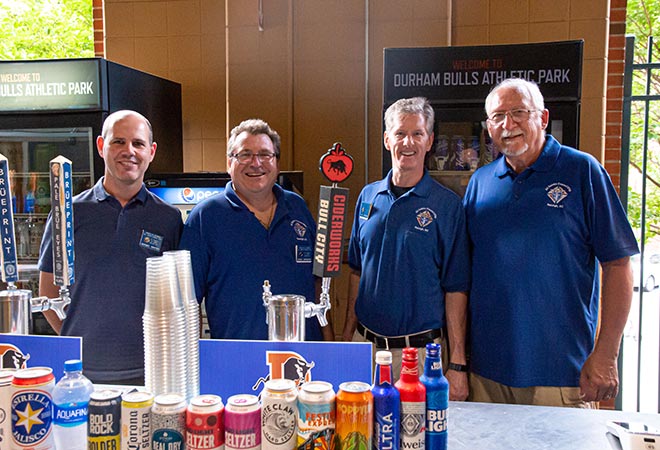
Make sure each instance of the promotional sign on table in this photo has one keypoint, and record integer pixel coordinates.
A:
(230, 367)
(22, 351)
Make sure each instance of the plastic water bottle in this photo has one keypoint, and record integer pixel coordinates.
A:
(70, 398)
(437, 399)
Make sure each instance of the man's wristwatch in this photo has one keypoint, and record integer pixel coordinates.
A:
(457, 367)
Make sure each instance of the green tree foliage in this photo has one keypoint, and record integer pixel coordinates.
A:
(46, 29)
(643, 22)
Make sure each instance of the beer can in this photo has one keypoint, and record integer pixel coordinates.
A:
(104, 418)
(6, 376)
(316, 415)
(205, 429)
(136, 420)
(243, 423)
(279, 414)
(168, 422)
(32, 409)
(354, 416)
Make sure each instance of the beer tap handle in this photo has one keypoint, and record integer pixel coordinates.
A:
(58, 304)
(265, 297)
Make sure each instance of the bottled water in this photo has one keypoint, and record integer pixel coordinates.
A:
(70, 398)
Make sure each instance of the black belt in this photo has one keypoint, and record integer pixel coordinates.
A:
(417, 340)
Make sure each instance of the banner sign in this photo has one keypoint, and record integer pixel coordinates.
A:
(22, 351)
(230, 367)
(466, 74)
(329, 246)
(50, 85)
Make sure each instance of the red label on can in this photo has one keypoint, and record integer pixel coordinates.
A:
(204, 424)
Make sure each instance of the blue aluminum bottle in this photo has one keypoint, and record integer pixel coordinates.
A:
(437, 399)
(387, 405)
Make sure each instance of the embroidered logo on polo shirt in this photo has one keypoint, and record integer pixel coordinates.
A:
(299, 228)
(425, 217)
(557, 192)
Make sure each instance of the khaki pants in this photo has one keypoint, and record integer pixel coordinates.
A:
(489, 391)
(397, 354)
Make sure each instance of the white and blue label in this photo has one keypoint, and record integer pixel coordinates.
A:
(70, 414)
(31, 417)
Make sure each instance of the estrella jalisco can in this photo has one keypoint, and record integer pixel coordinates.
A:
(103, 420)
(32, 409)
(354, 416)
(205, 429)
(136, 420)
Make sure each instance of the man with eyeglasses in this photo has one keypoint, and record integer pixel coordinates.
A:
(541, 219)
(253, 231)
(408, 253)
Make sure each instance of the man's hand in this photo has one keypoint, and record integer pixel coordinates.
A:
(458, 385)
(599, 379)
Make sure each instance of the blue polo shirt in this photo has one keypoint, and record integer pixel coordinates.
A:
(107, 297)
(232, 254)
(410, 251)
(535, 241)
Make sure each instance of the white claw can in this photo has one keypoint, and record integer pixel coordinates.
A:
(279, 414)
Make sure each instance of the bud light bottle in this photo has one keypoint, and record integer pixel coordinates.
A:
(70, 397)
(437, 399)
(413, 402)
(386, 405)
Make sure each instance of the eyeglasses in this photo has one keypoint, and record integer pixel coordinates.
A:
(517, 115)
(246, 156)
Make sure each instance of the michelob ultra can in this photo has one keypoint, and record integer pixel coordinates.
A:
(316, 415)
(243, 423)
(32, 409)
(205, 429)
(136, 420)
(168, 422)
(104, 418)
(354, 416)
(279, 414)
(6, 376)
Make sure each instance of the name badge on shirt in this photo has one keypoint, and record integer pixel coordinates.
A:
(151, 241)
(365, 210)
(304, 254)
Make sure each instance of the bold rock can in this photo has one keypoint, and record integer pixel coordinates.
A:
(279, 414)
(205, 428)
(354, 416)
(136, 420)
(104, 419)
(168, 422)
(32, 409)
(243, 423)
(316, 415)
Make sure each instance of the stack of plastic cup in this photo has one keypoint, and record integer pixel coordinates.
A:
(187, 286)
(165, 330)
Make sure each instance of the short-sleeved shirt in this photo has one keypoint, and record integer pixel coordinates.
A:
(111, 246)
(536, 239)
(233, 254)
(409, 251)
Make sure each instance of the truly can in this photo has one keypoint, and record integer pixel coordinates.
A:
(205, 428)
(279, 414)
(136, 420)
(316, 415)
(6, 376)
(355, 417)
(103, 420)
(32, 409)
(168, 422)
(243, 423)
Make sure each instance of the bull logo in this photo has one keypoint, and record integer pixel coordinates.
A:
(288, 365)
(11, 357)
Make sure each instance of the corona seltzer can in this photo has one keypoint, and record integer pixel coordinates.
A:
(354, 416)
(104, 419)
(316, 415)
(6, 376)
(136, 420)
(279, 414)
(32, 409)
(205, 428)
(243, 423)
(168, 422)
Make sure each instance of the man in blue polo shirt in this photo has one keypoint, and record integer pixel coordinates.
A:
(253, 231)
(117, 225)
(541, 219)
(408, 253)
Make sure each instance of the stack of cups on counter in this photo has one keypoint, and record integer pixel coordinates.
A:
(169, 327)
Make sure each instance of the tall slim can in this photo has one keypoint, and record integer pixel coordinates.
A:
(437, 399)
(413, 403)
(386, 405)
